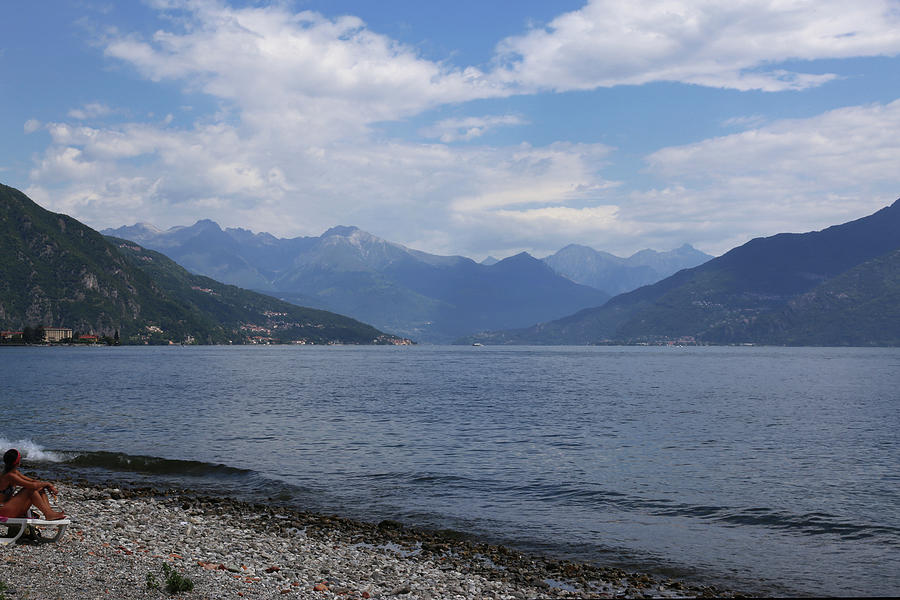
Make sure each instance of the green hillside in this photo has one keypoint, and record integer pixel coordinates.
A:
(243, 313)
(55, 271)
(858, 308)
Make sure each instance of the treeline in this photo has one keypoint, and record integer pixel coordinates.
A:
(35, 335)
(28, 335)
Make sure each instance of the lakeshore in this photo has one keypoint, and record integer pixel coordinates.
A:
(234, 549)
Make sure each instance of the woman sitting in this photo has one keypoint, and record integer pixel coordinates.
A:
(33, 493)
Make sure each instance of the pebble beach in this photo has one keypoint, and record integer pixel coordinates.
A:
(123, 542)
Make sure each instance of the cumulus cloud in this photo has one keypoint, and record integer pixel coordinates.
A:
(788, 175)
(216, 171)
(834, 150)
(704, 42)
(554, 174)
(806, 173)
(293, 149)
(327, 76)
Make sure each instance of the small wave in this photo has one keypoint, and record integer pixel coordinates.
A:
(813, 523)
(117, 461)
(33, 452)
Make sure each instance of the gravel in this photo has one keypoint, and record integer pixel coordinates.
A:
(121, 540)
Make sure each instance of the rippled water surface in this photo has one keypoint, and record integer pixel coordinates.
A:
(764, 469)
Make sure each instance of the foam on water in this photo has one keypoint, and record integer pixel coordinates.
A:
(33, 451)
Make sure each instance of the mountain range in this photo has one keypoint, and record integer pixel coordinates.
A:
(58, 272)
(837, 286)
(614, 275)
(424, 296)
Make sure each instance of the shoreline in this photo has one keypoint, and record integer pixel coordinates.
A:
(235, 549)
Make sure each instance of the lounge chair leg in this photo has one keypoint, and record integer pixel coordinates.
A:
(12, 539)
(60, 529)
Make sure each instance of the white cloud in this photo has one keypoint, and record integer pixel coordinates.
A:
(557, 226)
(553, 216)
(837, 149)
(293, 151)
(321, 76)
(64, 164)
(790, 175)
(90, 111)
(469, 128)
(221, 172)
(704, 42)
(122, 195)
(554, 174)
(32, 125)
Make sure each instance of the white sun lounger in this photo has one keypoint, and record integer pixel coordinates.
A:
(22, 523)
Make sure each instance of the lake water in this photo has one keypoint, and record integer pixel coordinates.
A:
(763, 469)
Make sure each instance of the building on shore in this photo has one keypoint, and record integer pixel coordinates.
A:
(57, 334)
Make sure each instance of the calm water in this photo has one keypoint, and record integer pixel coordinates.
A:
(764, 469)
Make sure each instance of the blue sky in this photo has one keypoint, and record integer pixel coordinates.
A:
(457, 128)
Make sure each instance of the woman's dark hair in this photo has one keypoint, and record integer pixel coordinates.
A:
(9, 460)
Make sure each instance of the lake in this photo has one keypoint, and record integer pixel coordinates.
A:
(771, 470)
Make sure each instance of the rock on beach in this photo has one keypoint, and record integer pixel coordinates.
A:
(119, 541)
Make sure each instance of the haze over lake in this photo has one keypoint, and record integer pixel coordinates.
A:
(763, 469)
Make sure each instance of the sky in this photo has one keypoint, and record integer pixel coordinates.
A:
(461, 127)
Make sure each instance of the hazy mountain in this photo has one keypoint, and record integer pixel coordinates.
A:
(607, 272)
(424, 296)
(754, 293)
(59, 272)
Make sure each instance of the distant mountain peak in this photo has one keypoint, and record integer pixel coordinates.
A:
(140, 227)
(341, 230)
(150, 227)
(521, 257)
(206, 224)
(570, 247)
(583, 252)
(610, 273)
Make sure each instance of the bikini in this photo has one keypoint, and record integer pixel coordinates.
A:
(6, 495)
(10, 490)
